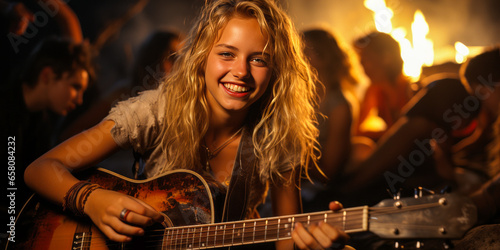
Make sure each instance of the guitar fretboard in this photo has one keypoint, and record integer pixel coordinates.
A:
(260, 230)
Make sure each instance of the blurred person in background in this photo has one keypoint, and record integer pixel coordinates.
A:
(50, 85)
(338, 103)
(153, 62)
(389, 89)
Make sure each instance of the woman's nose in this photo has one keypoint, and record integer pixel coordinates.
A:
(240, 69)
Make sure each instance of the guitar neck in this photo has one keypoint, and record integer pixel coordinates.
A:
(260, 230)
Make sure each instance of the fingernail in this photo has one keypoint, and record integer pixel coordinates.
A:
(338, 203)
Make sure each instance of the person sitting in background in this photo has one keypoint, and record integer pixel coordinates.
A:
(389, 89)
(21, 32)
(51, 84)
(445, 129)
(153, 62)
(451, 114)
(482, 77)
(337, 100)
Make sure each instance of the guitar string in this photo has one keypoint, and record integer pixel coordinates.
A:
(212, 240)
(258, 233)
(332, 215)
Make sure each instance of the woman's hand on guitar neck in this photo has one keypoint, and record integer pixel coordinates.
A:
(320, 236)
(105, 206)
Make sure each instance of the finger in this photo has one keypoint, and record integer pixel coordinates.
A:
(114, 236)
(335, 205)
(304, 237)
(123, 228)
(129, 215)
(138, 219)
(298, 241)
(145, 213)
(324, 238)
(157, 216)
(333, 234)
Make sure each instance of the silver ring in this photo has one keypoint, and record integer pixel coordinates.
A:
(124, 213)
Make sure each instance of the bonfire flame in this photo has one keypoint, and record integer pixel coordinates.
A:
(415, 54)
(462, 52)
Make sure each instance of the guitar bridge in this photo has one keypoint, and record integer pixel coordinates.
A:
(82, 240)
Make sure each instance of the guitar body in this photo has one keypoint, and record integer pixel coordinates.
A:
(189, 202)
(183, 196)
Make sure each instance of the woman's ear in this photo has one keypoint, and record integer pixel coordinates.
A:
(46, 75)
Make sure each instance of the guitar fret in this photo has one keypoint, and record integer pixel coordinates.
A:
(232, 240)
(272, 230)
(344, 220)
(243, 234)
(208, 232)
(182, 238)
(254, 224)
(265, 232)
(215, 236)
(194, 233)
(278, 233)
(166, 243)
(224, 236)
(176, 238)
(287, 227)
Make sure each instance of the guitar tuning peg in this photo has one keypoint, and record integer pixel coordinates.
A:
(446, 190)
(419, 192)
(447, 244)
(396, 195)
(396, 245)
(419, 244)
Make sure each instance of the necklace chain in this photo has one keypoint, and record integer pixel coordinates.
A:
(212, 154)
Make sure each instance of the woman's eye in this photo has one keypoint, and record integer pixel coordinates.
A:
(226, 54)
(259, 61)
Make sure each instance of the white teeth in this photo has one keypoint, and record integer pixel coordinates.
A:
(236, 88)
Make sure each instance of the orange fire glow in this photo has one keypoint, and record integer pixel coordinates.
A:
(415, 53)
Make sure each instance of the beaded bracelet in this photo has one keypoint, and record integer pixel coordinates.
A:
(85, 194)
(76, 197)
(70, 196)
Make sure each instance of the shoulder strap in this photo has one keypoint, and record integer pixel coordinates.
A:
(239, 186)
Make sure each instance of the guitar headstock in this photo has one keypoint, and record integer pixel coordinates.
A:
(444, 216)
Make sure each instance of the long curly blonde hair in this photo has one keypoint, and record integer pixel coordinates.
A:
(283, 120)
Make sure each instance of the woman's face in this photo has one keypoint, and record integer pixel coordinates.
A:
(237, 72)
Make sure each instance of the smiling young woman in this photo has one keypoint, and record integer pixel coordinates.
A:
(240, 90)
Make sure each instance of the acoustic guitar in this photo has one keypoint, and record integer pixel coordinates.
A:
(187, 202)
